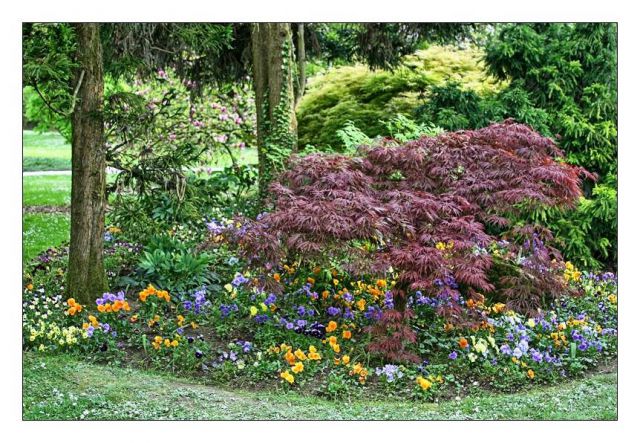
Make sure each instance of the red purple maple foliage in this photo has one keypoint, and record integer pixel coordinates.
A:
(392, 205)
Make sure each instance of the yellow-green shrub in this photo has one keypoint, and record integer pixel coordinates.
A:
(365, 97)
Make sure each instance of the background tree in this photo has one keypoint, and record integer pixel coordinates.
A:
(86, 277)
(273, 78)
(217, 53)
(569, 70)
(64, 65)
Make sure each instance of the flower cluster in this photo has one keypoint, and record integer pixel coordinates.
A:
(426, 383)
(360, 371)
(112, 303)
(93, 324)
(159, 341)
(198, 302)
(152, 291)
(391, 372)
(571, 273)
(548, 342)
(295, 359)
(74, 307)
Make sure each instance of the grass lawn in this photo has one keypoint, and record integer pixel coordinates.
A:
(45, 152)
(46, 190)
(42, 231)
(50, 152)
(61, 387)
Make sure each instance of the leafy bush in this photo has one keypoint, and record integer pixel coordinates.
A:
(399, 128)
(352, 137)
(587, 234)
(453, 107)
(562, 82)
(171, 264)
(367, 98)
(160, 130)
(570, 70)
(157, 129)
(403, 129)
(230, 191)
(426, 209)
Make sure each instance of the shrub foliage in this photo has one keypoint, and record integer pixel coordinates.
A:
(367, 98)
(563, 84)
(427, 209)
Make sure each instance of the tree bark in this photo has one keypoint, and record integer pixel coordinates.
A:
(272, 51)
(86, 276)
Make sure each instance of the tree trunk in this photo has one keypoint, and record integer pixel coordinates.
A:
(86, 277)
(273, 66)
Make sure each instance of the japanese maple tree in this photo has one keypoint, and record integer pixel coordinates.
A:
(398, 205)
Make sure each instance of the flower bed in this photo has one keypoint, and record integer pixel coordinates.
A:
(310, 329)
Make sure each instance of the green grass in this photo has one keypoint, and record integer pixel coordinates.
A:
(46, 190)
(61, 387)
(42, 231)
(50, 152)
(45, 152)
(247, 156)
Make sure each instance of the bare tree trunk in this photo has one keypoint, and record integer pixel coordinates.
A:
(86, 277)
(272, 51)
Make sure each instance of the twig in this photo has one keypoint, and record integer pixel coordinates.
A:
(75, 93)
(161, 49)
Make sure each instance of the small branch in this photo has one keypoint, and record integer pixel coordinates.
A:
(161, 49)
(233, 159)
(75, 93)
(46, 102)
